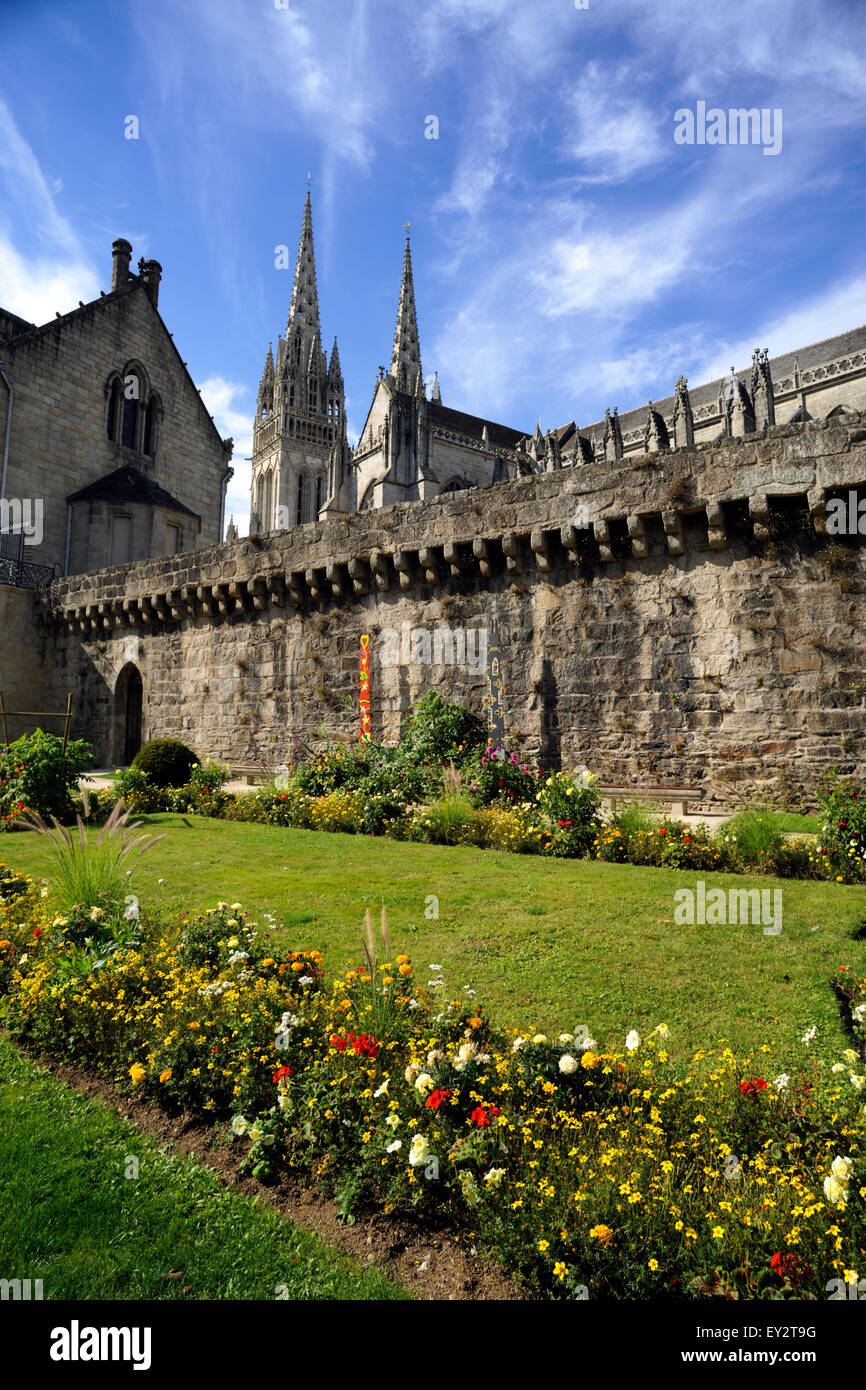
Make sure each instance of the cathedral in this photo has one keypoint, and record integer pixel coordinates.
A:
(413, 447)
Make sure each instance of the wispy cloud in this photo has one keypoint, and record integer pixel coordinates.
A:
(54, 272)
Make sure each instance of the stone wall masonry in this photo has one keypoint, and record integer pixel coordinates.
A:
(676, 619)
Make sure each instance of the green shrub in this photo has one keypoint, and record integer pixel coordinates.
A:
(494, 777)
(134, 788)
(167, 762)
(439, 731)
(36, 775)
(842, 838)
(571, 803)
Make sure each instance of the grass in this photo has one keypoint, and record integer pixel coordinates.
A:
(786, 822)
(549, 943)
(71, 1217)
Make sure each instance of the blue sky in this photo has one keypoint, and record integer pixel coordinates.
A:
(569, 255)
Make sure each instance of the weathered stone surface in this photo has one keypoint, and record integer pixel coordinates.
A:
(680, 631)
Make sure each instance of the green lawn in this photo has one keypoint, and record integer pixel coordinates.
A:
(70, 1215)
(546, 942)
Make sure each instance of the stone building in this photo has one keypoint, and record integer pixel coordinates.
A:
(105, 433)
(412, 448)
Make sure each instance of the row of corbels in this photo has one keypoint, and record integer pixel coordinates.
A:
(345, 580)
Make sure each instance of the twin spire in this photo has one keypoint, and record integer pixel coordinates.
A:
(304, 328)
(406, 357)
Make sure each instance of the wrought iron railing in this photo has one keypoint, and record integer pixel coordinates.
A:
(15, 569)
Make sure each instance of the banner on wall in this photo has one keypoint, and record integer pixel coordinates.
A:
(365, 687)
(495, 702)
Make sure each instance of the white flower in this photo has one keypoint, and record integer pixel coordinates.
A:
(517, 1044)
(859, 1014)
(394, 1146)
(305, 980)
(239, 1125)
(434, 1056)
(587, 1044)
(632, 1040)
(567, 1065)
(663, 1031)
(411, 1072)
(392, 1121)
(837, 1067)
(133, 912)
(419, 1151)
(494, 1177)
(413, 1004)
(288, 1021)
(810, 1035)
(850, 1056)
(467, 1051)
(435, 967)
(383, 1089)
(238, 957)
(835, 1193)
(232, 942)
(841, 1168)
(858, 1082)
(565, 1038)
(237, 907)
(255, 1132)
(424, 1083)
(24, 959)
(539, 1039)
(782, 1081)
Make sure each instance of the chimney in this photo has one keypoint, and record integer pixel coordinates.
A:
(151, 274)
(121, 254)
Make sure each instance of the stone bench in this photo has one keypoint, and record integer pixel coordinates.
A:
(676, 798)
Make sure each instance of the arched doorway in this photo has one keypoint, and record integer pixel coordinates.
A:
(128, 702)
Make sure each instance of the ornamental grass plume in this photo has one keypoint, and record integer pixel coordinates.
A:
(91, 872)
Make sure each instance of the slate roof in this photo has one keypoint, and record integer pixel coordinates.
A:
(813, 355)
(129, 484)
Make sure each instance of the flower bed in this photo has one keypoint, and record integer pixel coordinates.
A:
(592, 1171)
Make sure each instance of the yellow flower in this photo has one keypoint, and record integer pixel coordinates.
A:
(718, 1233)
(137, 1072)
(560, 1270)
(603, 1234)
(166, 1075)
(652, 1264)
(543, 1245)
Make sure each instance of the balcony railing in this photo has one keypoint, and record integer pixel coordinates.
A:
(17, 571)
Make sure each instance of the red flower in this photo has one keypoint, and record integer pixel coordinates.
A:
(283, 1071)
(749, 1088)
(662, 830)
(775, 1260)
(37, 931)
(482, 1115)
(338, 1042)
(437, 1098)
(564, 822)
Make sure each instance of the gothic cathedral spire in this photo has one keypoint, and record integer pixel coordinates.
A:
(406, 357)
(303, 321)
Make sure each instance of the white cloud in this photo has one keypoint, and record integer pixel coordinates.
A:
(55, 274)
(614, 134)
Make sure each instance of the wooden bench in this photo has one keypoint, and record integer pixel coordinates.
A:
(676, 798)
(250, 775)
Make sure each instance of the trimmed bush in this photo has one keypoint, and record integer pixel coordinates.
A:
(167, 762)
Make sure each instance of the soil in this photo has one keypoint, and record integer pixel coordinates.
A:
(425, 1259)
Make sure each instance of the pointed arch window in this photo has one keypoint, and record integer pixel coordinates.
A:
(115, 409)
(151, 419)
(131, 410)
(320, 493)
(303, 497)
